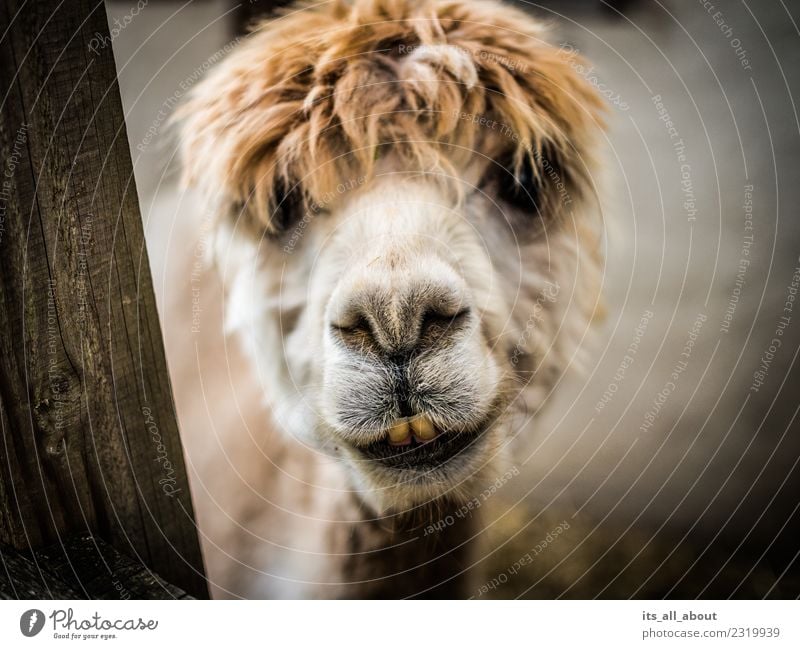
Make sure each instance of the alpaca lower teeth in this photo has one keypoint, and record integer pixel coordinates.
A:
(423, 428)
(400, 433)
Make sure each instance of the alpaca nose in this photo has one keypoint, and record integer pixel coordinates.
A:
(396, 320)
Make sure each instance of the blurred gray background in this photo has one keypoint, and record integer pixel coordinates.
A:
(704, 500)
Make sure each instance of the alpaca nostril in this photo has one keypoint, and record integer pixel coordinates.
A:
(437, 323)
(357, 334)
(358, 326)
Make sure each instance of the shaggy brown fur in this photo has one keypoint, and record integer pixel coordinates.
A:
(314, 96)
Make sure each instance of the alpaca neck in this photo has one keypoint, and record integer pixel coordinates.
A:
(425, 553)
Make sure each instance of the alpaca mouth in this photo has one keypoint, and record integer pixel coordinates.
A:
(405, 448)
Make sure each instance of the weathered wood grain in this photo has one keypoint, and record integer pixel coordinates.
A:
(22, 578)
(80, 567)
(89, 437)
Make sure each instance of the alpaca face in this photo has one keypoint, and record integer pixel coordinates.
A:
(402, 190)
(412, 376)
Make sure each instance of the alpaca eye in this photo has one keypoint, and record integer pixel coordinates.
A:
(520, 190)
(287, 205)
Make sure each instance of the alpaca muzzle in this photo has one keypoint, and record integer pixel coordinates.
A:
(405, 365)
(410, 379)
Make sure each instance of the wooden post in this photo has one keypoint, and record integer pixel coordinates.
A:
(89, 437)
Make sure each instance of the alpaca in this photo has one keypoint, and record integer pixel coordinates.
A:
(407, 223)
